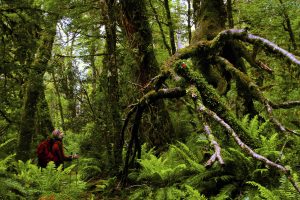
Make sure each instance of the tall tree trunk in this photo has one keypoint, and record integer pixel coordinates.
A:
(44, 125)
(93, 66)
(33, 90)
(171, 26)
(70, 91)
(189, 21)
(110, 64)
(160, 28)
(61, 111)
(139, 34)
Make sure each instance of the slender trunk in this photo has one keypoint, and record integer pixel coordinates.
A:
(160, 28)
(189, 21)
(61, 112)
(229, 13)
(70, 91)
(93, 66)
(170, 25)
(287, 25)
(33, 91)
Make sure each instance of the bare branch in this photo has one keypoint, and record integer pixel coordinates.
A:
(289, 104)
(276, 122)
(256, 93)
(157, 81)
(246, 148)
(215, 144)
(243, 35)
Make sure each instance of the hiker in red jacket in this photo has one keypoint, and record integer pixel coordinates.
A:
(52, 150)
(58, 150)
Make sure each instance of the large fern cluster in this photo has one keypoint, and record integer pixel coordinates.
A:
(180, 172)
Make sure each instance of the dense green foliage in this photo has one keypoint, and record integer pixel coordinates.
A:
(84, 87)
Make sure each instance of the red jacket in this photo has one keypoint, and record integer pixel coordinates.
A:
(58, 153)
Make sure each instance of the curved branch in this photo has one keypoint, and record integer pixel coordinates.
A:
(246, 148)
(215, 144)
(288, 104)
(157, 81)
(251, 60)
(243, 35)
(147, 99)
(256, 93)
(213, 101)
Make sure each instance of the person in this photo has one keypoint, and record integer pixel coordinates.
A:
(58, 149)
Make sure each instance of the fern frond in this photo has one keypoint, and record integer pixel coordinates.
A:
(5, 162)
(192, 161)
(7, 142)
(264, 192)
(225, 192)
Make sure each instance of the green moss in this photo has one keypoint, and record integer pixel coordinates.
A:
(213, 101)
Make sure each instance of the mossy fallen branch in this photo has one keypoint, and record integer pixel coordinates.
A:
(257, 94)
(245, 147)
(243, 35)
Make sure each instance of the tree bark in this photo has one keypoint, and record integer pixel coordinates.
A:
(110, 64)
(33, 90)
(137, 28)
(170, 25)
(211, 21)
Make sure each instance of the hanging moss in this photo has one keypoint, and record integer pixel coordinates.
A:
(213, 101)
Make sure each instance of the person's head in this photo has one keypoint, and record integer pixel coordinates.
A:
(57, 134)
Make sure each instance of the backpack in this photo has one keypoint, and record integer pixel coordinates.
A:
(44, 152)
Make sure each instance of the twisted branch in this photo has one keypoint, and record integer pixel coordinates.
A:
(246, 148)
(215, 144)
(243, 35)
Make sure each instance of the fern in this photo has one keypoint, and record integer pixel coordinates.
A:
(286, 190)
(269, 145)
(253, 126)
(7, 142)
(9, 187)
(49, 181)
(167, 193)
(225, 192)
(264, 192)
(189, 157)
(157, 169)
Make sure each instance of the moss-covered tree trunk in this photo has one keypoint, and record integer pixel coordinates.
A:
(135, 22)
(210, 20)
(34, 86)
(44, 125)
